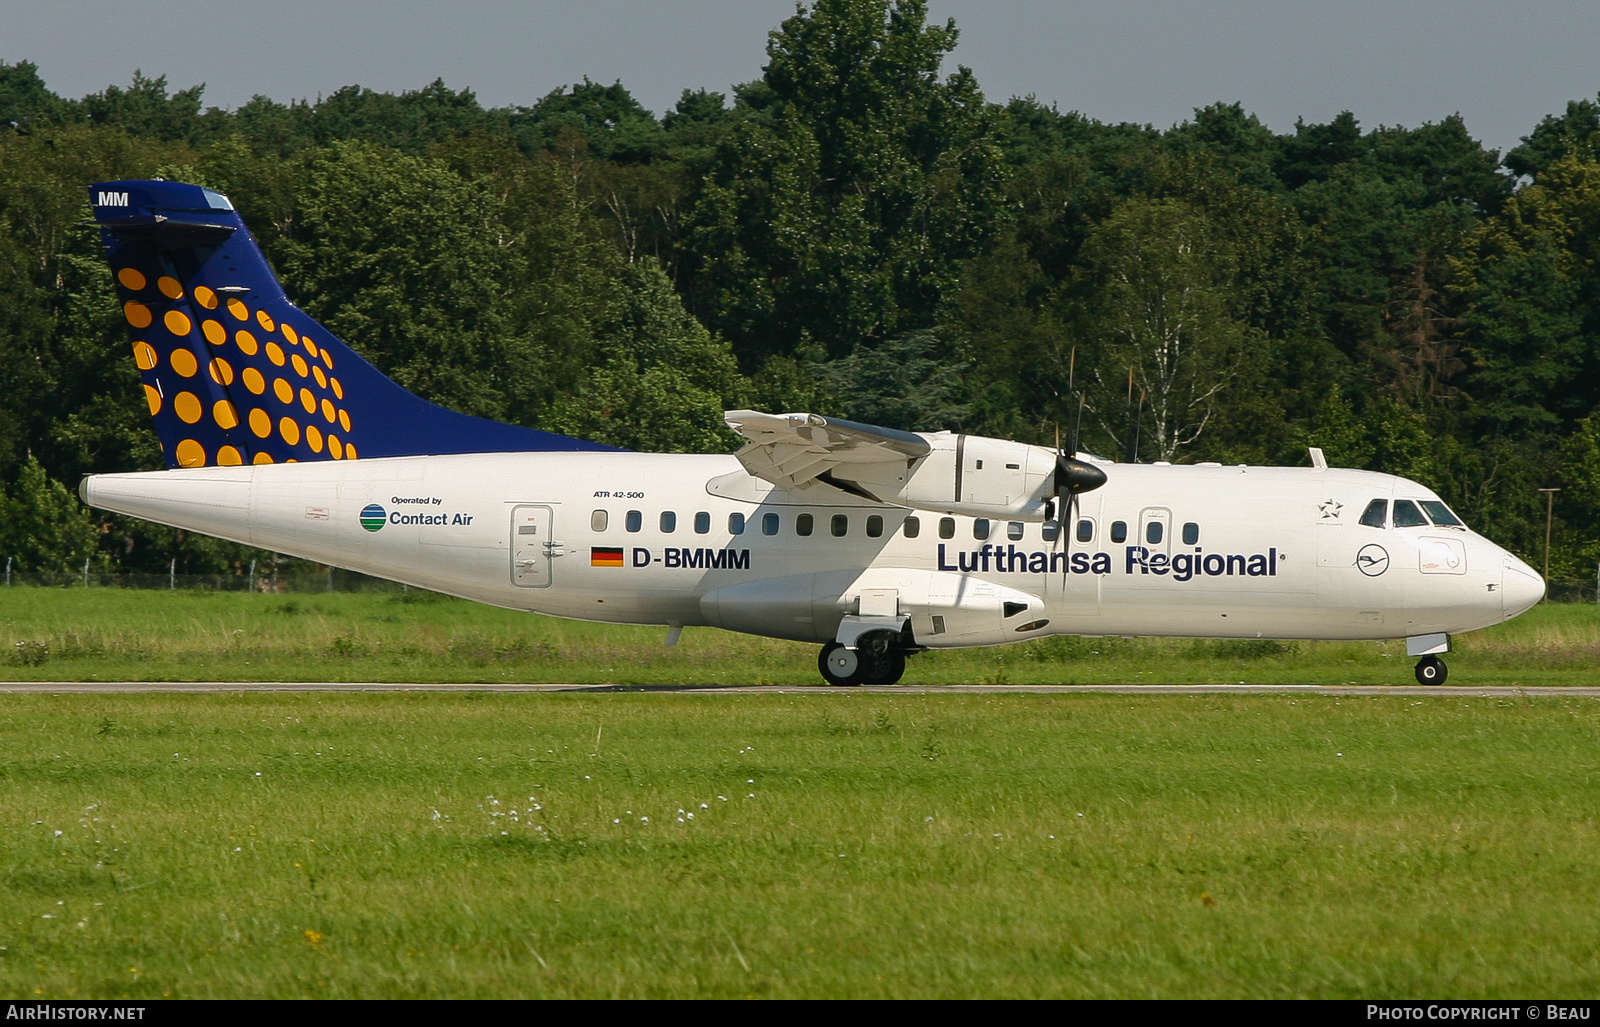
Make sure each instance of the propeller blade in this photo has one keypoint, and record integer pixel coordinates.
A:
(1077, 426)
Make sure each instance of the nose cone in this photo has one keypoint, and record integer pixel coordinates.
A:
(1522, 589)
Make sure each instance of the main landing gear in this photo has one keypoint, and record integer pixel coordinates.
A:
(875, 661)
(1431, 671)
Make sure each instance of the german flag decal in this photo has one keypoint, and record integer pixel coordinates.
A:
(605, 556)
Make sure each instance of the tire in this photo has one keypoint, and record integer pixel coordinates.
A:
(840, 666)
(882, 662)
(1431, 671)
(889, 669)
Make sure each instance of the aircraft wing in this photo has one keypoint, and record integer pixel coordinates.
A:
(796, 450)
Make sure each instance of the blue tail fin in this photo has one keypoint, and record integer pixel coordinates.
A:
(235, 373)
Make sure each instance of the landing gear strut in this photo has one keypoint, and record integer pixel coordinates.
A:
(1431, 671)
(875, 661)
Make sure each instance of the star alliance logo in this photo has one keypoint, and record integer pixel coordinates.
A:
(1330, 510)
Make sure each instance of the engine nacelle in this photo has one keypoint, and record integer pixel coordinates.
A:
(964, 474)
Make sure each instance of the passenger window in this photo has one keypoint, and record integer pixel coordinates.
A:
(1441, 514)
(1085, 530)
(802, 525)
(1050, 531)
(1119, 532)
(980, 528)
(635, 520)
(1406, 515)
(1191, 533)
(1014, 531)
(702, 523)
(947, 527)
(736, 524)
(1376, 513)
(912, 527)
(840, 525)
(769, 524)
(1152, 533)
(874, 526)
(598, 520)
(669, 522)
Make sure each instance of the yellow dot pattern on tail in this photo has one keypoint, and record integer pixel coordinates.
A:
(214, 378)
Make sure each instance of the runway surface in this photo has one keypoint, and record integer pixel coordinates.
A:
(94, 687)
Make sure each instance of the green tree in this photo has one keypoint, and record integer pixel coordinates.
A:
(23, 95)
(1532, 308)
(913, 382)
(660, 382)
(1162, 308)
(1575, 130)
(454, 286)
(851, 187)
(613, 124)
(43, 527)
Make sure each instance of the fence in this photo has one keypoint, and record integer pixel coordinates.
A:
(1572, 590)
(264, 579)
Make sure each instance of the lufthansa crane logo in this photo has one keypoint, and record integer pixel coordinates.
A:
(1373, 560)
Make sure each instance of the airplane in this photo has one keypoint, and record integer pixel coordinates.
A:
(875, 543)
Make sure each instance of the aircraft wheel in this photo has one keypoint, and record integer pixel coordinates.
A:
(887, 668)
(1431, 671)
(882, 662)
(840, 666)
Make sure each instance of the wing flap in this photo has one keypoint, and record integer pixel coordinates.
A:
(794, 450)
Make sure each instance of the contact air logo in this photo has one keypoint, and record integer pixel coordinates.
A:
(373, 517)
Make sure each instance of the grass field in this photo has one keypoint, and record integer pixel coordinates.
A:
(818, 843)
(78, 634)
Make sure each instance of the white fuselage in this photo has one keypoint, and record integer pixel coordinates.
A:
(1203, 551)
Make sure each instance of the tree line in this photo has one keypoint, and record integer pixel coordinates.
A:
(860, 231)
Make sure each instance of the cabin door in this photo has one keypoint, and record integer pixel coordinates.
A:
(533, 547)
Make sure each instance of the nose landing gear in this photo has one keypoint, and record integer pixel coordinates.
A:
(1431, 671)
(875, 661)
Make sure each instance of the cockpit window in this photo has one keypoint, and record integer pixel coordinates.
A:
(1441, 514)
(1406, 515)
(1376, 514)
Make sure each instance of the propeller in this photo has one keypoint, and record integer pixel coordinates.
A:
(1073, 477)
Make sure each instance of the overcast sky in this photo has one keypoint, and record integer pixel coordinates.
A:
(1502, 64)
